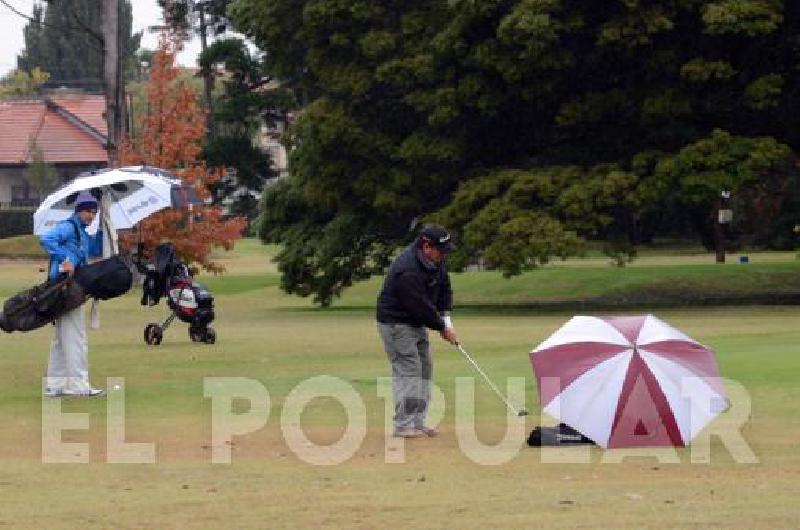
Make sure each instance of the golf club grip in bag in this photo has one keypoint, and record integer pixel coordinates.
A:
(105, 279)
(41, 304)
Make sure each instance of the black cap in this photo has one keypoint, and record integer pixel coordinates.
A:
(438, 237)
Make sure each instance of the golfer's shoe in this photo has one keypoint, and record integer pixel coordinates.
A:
(53, 392)
(89, 392)
(429, 431)
(409, 432)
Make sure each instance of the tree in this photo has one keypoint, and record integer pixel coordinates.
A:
(759, 173)
(64, 39)
(408, 103)
(41, 176)
(171, 138)
(21, 83)
(246, 103)
(205, 17)
(180, 15)
(517, 220)
(364, 163)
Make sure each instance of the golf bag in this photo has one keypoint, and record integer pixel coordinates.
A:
(106, 279)
(41, 304)
(44, 303)
(561, 434)
(167, 276)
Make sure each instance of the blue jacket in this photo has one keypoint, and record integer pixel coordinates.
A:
(61, 243)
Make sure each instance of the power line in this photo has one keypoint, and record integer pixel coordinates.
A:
(14, 10)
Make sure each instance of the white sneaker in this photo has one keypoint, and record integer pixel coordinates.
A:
(89, 392)
(53, 392)
(408, 432)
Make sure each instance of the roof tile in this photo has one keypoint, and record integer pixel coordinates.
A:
(19, 122)
(59, 140)
(89, 109)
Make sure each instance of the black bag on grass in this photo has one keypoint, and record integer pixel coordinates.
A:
(41, 304)
(561, 434)
(105, 279)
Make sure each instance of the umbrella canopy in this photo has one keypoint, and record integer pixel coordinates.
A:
(130, 194)
(628, 381)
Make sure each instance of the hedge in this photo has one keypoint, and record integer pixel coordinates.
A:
(15, 222)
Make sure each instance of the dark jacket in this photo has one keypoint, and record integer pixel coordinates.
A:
(415, 292)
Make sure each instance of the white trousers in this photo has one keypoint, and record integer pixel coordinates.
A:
(68, 368)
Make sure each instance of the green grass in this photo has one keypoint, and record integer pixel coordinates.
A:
(675, 284)
(281, 341)
(21, 247)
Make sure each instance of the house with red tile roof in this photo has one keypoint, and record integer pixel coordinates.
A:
(69, 130)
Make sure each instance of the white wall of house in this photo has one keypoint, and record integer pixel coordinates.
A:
(14, 176)
(270, 140)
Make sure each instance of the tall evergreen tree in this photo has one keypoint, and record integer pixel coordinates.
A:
(246, 103)
(181, 15)
(64, 39)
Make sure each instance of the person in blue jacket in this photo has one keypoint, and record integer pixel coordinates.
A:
(69, 247)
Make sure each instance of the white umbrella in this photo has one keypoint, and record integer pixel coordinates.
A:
(628, 381)
(129, 194)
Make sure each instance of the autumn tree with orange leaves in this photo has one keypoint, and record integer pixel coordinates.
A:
(170, 137)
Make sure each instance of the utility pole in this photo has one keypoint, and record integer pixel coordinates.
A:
(111, 77)
(208, 80)
(123, 117)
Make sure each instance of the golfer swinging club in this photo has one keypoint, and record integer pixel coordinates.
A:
(416, 295)
(70, 247)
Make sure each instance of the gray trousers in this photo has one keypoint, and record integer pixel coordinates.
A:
(409, 354)
(68, 367)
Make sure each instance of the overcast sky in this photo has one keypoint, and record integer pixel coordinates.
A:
(145, 13)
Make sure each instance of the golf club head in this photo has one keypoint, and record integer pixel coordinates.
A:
(523, 412)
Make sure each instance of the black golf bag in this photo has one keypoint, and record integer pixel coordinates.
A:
(106, 279)
(167, 276)
(44, 303)
(561, 434)
(41, 304)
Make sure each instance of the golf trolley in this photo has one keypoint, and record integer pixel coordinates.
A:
(189, 301)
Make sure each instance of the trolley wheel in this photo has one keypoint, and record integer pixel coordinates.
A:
(153, 333)
(197, 335)
(210, 336)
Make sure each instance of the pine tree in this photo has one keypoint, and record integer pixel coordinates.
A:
(64, 39)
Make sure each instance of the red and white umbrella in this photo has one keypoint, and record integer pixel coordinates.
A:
(628, 381)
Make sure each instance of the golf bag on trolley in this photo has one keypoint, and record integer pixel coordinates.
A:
(167, 276)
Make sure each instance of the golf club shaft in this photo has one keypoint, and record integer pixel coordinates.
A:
(489, 382)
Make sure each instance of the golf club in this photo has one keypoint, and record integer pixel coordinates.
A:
(520, 412)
